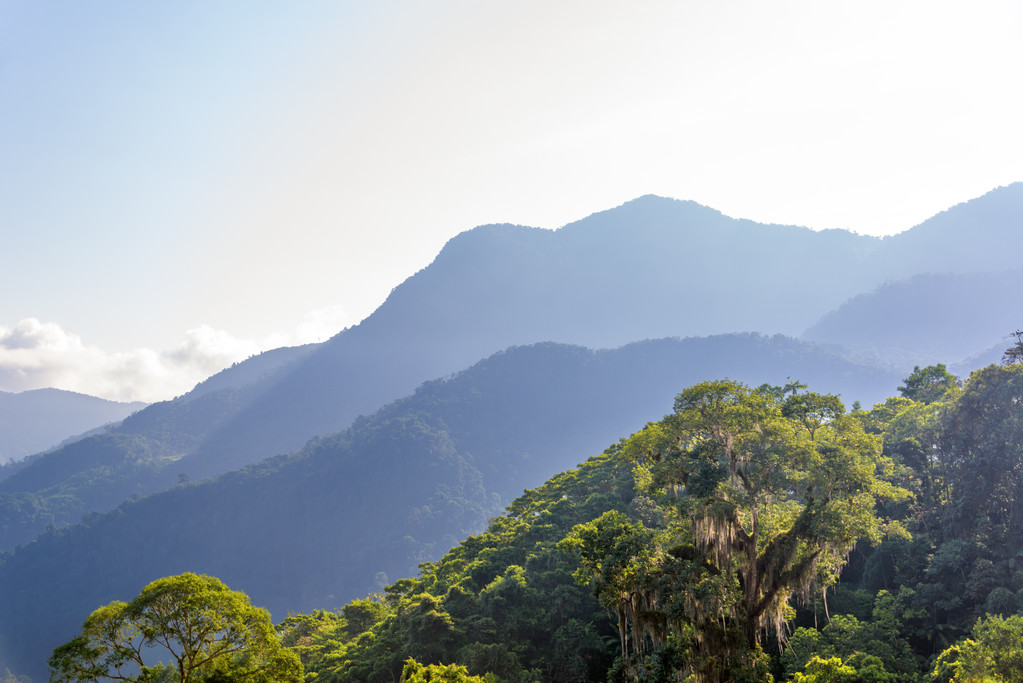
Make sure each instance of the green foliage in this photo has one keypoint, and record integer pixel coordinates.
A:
(812, 410)
(857, 668)
(58, 488)
(929, 384)
(700, 534)
(414, 672)
(830, 670)
(1014, 354)
(767, 494)
(994, 653)
(880, 640)
(208, 631)
(501, 603)
(683, 549)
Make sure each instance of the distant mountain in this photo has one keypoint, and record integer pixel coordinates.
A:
(982, 235)
(650, 268)
(137, 457)
(927, 319)
(333, 521)
(32, 421)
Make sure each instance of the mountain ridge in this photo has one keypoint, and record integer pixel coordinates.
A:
(396, 488)
(651, 268)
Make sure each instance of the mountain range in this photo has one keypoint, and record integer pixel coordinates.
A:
(346, 513)
(829, 308)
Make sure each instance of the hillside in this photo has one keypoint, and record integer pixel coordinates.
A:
(137, 457)
(911, 505)
(650, 268)
(512, 602)
(977, 236)
(396, 489)
(33, 421)
(931, 318)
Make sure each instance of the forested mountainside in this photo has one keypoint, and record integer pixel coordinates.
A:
(751, 534)
(647, 563)
(652, 267)
(648, 269)
(333, 521)
(32, 421)
(147, 452)
(151, 450)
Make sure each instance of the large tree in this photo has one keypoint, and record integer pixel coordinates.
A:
(765, 496)
(928, 384)
(209, 632)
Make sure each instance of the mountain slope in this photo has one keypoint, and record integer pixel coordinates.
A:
(137, 457)
(327, 524)
(32, 421)
(927, 319)
(651, 268)
(979, 236)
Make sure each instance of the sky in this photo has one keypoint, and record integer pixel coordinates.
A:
(185, 184)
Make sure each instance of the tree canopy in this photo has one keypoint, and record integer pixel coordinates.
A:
(710, 535)
(207, 631)
(928, 384)
(708, 547)
(1014, 354)
(764, 498)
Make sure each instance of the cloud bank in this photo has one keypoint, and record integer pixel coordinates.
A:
(36, 354)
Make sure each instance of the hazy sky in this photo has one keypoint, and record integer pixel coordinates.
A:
(185, 183)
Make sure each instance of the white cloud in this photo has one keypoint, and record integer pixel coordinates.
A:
(322, 324)
(35, 354)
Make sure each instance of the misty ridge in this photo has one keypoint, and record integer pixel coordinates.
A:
(515, 355)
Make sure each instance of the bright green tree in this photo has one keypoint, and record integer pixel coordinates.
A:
(615, 561)
(928, 384)
(830, 670)
(414, 672)
(769, 498)
(209, 632)
(994, 653)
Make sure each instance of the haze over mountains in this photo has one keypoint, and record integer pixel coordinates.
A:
(31, 421)
(350, 511)
(459, 448)
(927, 318)
(651, 268)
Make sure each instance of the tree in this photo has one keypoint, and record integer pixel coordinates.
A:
(1014, 354)
(981, 446)
(414, 672)
(995, 653)
(812, 410)
(769, 498)
(612, 552)
(210, 632)
(928, 384)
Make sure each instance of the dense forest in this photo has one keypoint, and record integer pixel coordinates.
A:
(360, 507)
(939, 291)
(751, 533)
(756, 531)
